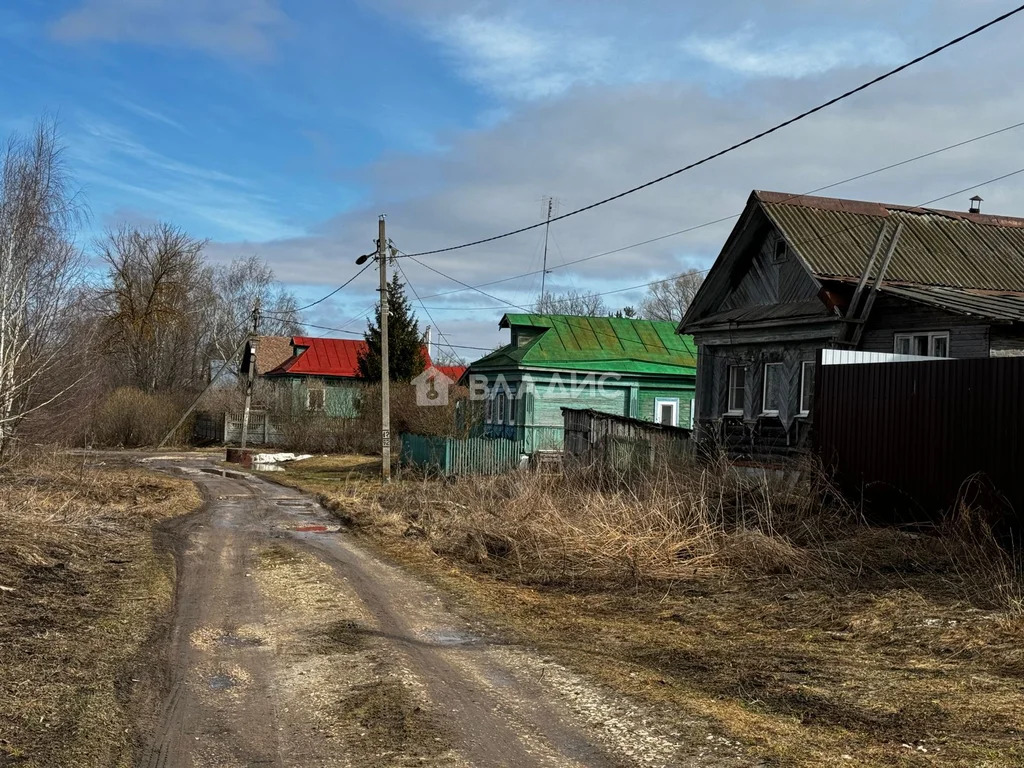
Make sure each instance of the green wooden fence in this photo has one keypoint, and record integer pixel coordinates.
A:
(469, 456)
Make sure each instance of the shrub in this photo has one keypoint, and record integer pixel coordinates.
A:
(129, 417)
(317, 432)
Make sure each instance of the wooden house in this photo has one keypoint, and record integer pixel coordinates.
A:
(319, 374)
(636, 368)
(798, 274)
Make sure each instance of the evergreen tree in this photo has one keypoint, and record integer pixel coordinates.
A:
(405, 343)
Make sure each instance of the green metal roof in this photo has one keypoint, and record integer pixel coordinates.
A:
(603, 344)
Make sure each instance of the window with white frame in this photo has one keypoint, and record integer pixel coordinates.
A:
(737, 385)
(666, 411)
(315, 399)
(489, 407)
(772, 388)
(927, 344)
(806, 386)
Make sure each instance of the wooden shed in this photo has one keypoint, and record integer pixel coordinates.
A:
(619, 443)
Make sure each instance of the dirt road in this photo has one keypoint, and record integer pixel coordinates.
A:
(291, 645)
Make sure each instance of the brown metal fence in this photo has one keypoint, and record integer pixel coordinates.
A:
(921, 429)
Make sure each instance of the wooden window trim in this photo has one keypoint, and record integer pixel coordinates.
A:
(764, 390)
(674, 402)
(803, 385)
(729, 410)
(911, 335)
(309, 400)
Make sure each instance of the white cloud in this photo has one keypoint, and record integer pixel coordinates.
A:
(160, 186)
(814, 54)
(229, 28)
(519, 62)
(590, 144)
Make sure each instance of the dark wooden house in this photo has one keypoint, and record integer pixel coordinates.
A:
(798, 274)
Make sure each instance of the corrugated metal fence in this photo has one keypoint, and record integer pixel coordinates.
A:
(922, 428)
(468, 456)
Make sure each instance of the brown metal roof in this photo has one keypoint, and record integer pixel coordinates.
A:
(272, 351)
(1005, 306)
(957, 249)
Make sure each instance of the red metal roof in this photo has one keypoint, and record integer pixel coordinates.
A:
(323, 357)
(329, 357)
(453, 372)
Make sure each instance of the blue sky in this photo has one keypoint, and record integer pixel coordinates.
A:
(283, 127)
(254, 134)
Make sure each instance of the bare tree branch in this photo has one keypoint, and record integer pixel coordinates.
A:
(670, 299)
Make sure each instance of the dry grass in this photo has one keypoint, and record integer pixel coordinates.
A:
(83, 587)
(760, 602)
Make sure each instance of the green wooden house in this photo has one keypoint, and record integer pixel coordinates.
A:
(637, 368)
(318, 375)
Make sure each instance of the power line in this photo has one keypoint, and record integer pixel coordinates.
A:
(325, 298)
(703, 271)
(429, 317)
(740, 144)
(723, 219)
(360, 333)
(465, 285)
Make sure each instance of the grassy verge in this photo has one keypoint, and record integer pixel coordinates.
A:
(82, 590)
(765, 611)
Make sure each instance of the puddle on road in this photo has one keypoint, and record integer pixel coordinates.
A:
(221, 682)
(448, 637)
(228, 473)
(315, 528)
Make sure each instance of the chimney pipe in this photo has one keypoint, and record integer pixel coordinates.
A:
(976, 204)
(426, 342)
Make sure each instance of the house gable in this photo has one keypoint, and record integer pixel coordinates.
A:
(759, 277)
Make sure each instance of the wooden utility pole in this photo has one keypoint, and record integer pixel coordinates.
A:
(250, 373)
(385, 366)
(381, 255)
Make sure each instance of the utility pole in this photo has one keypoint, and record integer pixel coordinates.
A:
(381, 256)
(544, 270)
(251, 371)
(385, 366)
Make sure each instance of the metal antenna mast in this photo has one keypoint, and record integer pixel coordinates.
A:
(547, 227)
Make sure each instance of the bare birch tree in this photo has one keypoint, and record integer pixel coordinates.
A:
(237, 286)
(669, 300)
(39, 271)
